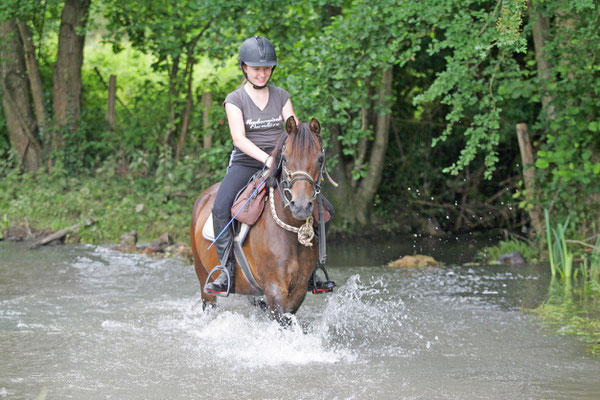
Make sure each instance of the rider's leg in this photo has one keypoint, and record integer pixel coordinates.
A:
(223, 283)
(315, 284)
(235, 178)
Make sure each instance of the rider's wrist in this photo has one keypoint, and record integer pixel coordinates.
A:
(267, 161)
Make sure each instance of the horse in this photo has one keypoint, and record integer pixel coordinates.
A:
(281, 266)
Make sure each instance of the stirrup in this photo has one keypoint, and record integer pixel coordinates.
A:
(218, 293)
(325, 286)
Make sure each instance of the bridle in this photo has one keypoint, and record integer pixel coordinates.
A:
(284, 183)
(288, 178)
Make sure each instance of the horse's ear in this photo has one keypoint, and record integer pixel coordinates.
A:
(315, 126)
(290, 125)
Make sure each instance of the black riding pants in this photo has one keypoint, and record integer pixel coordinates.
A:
(235, 179)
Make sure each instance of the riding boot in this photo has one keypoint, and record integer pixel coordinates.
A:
(223, 285)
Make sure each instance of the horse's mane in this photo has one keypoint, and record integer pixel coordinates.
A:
(299, 144)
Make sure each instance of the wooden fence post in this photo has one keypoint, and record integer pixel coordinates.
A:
(112, 97)
(527, 158)
(206, 104)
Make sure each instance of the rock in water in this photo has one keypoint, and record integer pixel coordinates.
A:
(514, 258)
(414, 261)
(128, 242)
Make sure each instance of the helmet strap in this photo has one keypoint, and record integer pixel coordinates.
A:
(253, 85)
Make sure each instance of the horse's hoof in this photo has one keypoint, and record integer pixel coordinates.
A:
(260, 303)
(208, 306)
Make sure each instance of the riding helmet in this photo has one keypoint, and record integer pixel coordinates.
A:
(257, 51)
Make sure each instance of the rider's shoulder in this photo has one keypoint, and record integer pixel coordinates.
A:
(279, 91)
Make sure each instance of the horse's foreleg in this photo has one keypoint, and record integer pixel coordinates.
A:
(276, 298)
(281, 303)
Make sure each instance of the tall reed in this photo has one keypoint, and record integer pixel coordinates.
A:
(559, 255)
(553, 268)
(595, 262)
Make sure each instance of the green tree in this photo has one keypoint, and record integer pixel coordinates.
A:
(23, 91)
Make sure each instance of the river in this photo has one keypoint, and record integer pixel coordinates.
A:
(86, 322)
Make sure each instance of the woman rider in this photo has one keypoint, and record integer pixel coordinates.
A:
(256, 113)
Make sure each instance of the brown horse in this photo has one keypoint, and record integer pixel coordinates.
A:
(281, 266)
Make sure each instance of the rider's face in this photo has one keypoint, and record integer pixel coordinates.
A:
(258, 76)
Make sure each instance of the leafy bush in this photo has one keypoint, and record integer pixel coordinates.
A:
(491, 254)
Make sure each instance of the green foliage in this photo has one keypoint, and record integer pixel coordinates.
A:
(568, 165)
(492, 253)
(475, 71)
(334, 77)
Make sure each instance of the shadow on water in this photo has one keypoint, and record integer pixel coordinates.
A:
(88, 322)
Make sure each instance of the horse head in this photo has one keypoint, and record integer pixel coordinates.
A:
(298, 167)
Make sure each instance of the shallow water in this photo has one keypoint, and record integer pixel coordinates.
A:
(88, 322)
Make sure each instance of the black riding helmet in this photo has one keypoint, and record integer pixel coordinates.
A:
(257, 51)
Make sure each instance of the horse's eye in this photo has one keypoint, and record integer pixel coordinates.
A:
(320, 160)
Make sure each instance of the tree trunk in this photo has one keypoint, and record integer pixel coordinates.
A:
(35, 80)
(188, 110)
(173, 101)
(342, 197)
(354, 205)
(206, 104)
(20, 122)
(566, 24)
(527, 158)
(368, 187)
(67, 71)
(540, 31)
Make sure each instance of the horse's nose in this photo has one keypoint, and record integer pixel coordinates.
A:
(301, 208)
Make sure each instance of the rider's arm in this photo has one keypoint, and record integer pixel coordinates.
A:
(288, 111)
(237, 128)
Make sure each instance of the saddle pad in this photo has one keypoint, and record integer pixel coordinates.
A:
(208, 231)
